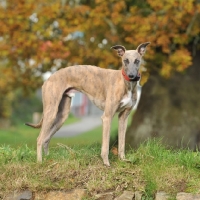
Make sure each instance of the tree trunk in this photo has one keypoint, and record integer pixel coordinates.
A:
(169, 109)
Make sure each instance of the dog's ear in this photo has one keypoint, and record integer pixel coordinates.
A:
(120, 49)
(142, 48)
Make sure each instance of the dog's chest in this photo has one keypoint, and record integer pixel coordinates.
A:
(127, 100)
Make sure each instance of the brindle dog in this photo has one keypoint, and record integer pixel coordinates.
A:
(110, 90)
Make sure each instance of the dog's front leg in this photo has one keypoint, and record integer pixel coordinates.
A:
(109, 112)
(123, 119)
(106, 120)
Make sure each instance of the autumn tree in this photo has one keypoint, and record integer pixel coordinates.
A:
(169, 106)
(34, 39)
(40, 36)
(169, 102)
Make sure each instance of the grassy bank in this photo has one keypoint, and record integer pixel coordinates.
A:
(151, 168)
(21, 134)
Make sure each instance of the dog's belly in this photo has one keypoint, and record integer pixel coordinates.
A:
(99, 103)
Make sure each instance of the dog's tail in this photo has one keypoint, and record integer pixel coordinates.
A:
(35, 125)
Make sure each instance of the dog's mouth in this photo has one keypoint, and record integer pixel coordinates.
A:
(137, 78)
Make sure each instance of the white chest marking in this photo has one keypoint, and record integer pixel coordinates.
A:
(127, 100)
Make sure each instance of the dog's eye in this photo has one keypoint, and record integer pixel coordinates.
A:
(126, 61)
(137, 61)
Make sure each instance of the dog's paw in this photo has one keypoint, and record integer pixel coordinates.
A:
(107, 164)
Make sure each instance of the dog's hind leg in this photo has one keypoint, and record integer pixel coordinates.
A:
(49, 128)
(56, 106)
(62, 114)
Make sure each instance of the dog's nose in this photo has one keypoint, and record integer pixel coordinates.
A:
(131, 76)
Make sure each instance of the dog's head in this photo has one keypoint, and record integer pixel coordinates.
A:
(131, 59)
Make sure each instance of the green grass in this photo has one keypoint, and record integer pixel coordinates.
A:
(21, 134)
(151, 168)
(75, 163)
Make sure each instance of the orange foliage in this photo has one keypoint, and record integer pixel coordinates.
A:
(37, 34)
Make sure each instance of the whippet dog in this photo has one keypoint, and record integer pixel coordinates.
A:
(110, 90)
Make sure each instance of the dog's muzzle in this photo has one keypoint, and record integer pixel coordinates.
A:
(137, 78)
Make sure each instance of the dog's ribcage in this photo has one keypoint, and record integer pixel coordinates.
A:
(98, 102)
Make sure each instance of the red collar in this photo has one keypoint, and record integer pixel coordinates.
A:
(125, 76)
(137, 78)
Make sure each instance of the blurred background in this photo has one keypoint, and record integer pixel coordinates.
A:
(38, 37)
